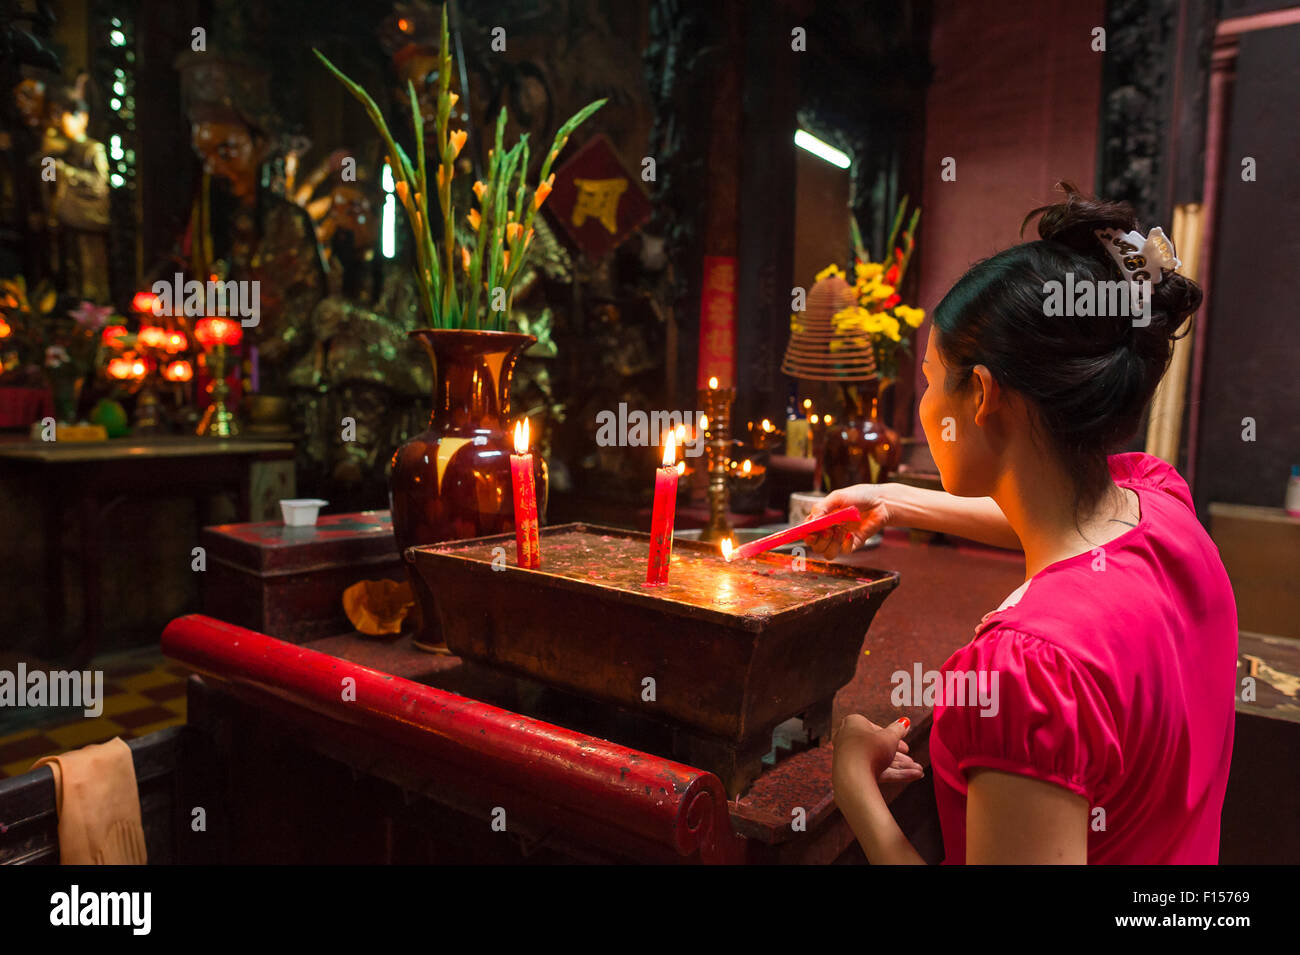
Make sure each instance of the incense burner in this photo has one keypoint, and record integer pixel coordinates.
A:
(700, 669)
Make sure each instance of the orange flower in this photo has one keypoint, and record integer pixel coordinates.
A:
(479, 189)
(531, 233)
(377, 607)
(543, 190)
(507, 261)
(464, 257)
(442, 176)
(475, 219)
(457, 142)
(513, 231)
(452, 100)
(401, 190)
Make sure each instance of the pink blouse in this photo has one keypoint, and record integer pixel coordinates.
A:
(1116, 674)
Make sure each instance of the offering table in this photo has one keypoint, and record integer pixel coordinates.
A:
(572, 802)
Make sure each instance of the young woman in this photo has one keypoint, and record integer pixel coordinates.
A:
(1116, 659)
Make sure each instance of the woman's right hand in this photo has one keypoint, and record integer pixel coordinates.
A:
(870, 501)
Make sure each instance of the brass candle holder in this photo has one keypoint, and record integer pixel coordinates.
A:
(216, 335)
(716, 404)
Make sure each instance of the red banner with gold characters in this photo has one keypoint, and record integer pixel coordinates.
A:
(718, 321)
(596, 200)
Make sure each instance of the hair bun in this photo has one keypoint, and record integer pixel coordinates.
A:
(1074, 222)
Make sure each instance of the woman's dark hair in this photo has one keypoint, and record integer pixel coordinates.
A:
(1087, 377)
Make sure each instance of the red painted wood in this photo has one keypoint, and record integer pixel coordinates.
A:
(630, 796)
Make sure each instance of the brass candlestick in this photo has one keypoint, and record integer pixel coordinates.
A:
(218, 421)
(716, 405)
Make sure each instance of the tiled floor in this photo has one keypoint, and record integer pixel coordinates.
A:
(143, 693)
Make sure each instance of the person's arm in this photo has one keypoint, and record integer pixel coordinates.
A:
(975, 518)
(864, 754)
(901, 505)
(864, 809)
(1017, 820)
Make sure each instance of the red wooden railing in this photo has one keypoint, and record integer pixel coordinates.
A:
(611, 796)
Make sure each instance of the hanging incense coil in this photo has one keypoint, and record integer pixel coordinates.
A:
(817, 351)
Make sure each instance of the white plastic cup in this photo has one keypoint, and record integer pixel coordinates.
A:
(801, 505)
(301, 512)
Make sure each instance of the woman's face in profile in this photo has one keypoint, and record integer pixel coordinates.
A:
(966, 463)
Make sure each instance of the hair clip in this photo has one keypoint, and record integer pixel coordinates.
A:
(1141, 259)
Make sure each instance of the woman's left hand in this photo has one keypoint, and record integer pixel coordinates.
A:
(866, 752)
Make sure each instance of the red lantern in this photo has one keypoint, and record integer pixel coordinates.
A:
(120, 368)
(143, 301)
(112, 333)
(218, 331)
(151, 336)
(179, 371)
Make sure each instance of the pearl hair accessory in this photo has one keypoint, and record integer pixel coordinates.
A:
(1141, 259)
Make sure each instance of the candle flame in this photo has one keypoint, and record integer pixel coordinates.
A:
(704, 422)
(828, 419)
(681, 468)
(670, 451)
(747, 467)
(807, 404)
(521, 436)
(679, 433)
(813, 419)
(713, 383)
(727, 548)
(767, 425)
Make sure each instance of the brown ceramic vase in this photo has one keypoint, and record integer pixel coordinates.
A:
(860, 449)
(453, 481)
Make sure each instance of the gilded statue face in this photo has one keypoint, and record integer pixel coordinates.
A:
(29, 97)
(421, 70)
(351, 211)
(227, 151)
(74, 125)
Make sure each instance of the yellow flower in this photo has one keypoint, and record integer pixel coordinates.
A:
(475, 220)
(457, 142)
(882, 291)
(543, 190)
(831, 269)
(865, 271)
(452, 100)
(912, 316)
(889, 325)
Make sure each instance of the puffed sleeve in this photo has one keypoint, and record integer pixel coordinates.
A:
(1147, 470)
(1045, 714)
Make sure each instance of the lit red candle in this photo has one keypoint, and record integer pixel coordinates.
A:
(528, 550)
(661, 518)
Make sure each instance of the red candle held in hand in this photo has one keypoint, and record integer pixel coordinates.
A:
(798, 532)
(661, 519)
(528, 552)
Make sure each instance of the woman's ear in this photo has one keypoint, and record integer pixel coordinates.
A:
(987, 393)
